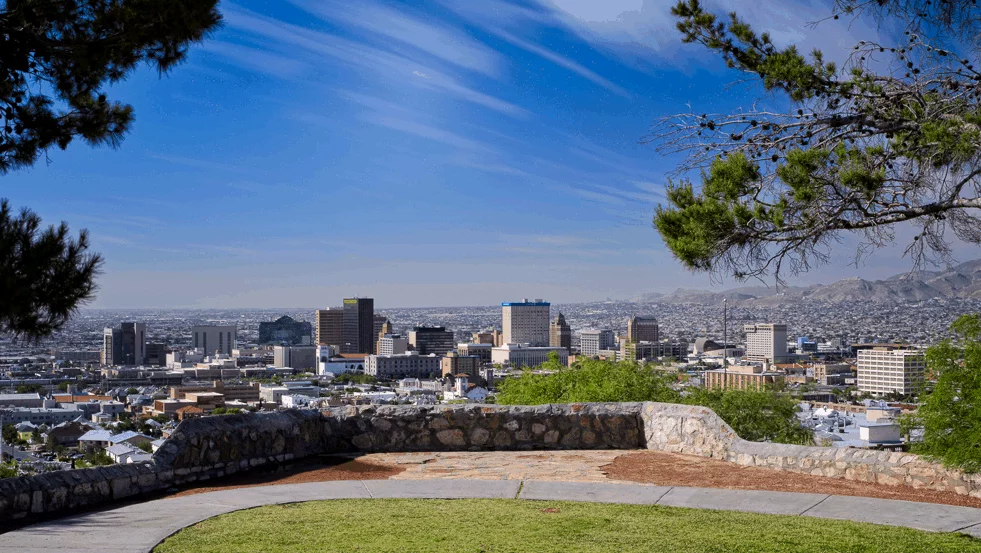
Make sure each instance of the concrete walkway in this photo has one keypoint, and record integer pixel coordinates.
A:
(140, 527)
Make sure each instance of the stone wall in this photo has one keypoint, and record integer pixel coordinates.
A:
(214, 447)
(699, 431)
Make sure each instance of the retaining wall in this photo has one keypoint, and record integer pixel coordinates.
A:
(213, 447)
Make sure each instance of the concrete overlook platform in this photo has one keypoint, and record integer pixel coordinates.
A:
(140, 527)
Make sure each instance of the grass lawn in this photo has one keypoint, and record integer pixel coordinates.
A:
(478, 525)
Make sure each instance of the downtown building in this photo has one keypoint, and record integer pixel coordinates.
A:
(432, 339)
(560, 333)
(285, 331)
(406, 365)
(766, 342)
(591, 342)
(520, 355)
(359, 326)
(525, 322)
(642, 329)
(884, 370)
(124, 346)
(214, 339)
(330, 327)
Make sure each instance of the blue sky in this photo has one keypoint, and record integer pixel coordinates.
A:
(424, 153)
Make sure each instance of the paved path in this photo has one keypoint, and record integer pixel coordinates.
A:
(140, 527)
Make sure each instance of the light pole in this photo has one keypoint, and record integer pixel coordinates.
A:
(725, 341)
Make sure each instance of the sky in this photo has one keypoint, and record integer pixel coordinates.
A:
(424, 153)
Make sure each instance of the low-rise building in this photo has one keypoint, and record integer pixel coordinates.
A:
(518, 355)
(742, 377)
(409, 364)
(483, 351)
(455, 364)
(41, 415)
(21, 400)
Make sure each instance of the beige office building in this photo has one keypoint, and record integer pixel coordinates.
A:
(884, 370)
(766, 342)
(525, 322)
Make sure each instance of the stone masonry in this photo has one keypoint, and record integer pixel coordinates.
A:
(213, 447)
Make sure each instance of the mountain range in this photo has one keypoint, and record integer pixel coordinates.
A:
(960, 281)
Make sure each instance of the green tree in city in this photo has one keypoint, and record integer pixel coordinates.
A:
(9, 434)
(756, 415)
(57, 60)
(890, 138)
(951, 413)
(587, 380)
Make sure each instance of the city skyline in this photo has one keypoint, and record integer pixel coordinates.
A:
(398, 149)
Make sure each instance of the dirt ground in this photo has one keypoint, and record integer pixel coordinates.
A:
(321, 469)
(668, 469)
(650, 467)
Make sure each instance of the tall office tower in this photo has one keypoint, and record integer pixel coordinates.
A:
(376, 330)
(592, 341)
(285, 330)
(642, 329)
(525, 322)
(214, 339)
(766, 342)
(156, 354)
(125, 345)
(385, 330)
(432, 339)
(359, 326)
(882, 370)
(559, 333)
(330, 327)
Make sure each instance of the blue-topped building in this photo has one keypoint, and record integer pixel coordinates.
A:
(525, 322)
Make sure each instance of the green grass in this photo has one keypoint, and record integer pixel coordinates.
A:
(498, 526)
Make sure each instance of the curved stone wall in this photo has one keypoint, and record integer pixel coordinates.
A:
(213, 447)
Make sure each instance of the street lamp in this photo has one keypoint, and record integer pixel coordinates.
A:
(725, 341)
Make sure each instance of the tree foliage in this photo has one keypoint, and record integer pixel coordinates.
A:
(586, 381)
(893, 136)
(45, 275)
(764, 415)
(56, 58)
(951, 413)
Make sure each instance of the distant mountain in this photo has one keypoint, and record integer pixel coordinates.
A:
(961, 281)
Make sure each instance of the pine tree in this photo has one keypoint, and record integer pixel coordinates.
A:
(892, 137)
(55, 60)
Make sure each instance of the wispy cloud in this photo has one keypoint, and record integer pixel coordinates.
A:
(387, 24)
(255, 59)
(312, 45)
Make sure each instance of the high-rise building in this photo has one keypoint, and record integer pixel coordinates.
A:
(378, 323)
(156, 354)
(884, 370)
(125, 345)
(285, 330)
(214, 339)
(642, 329)
(330, 327)
(592, 341)
(386, 329)
(392, 344)
(559, 333)
(525, 322)
(432, 339)
(766, 342)
(359, 326)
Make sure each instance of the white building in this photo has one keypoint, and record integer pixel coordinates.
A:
(328, 364)
(525, 322)
(592, 341)
(409, 364)
(766, 342)
(882, 370)
(519, 355)
(393, 344)
(215, 339)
